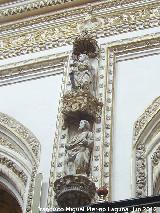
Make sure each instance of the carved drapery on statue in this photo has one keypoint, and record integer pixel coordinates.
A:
(82, 75)
(79, 150)
(81, 101)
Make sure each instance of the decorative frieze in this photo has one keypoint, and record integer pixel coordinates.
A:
(137, 17)
(4, 141)
(29, 6)
(140, 171)
(31, 189)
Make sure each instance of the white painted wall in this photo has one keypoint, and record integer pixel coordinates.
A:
(137, 85)
(35, 103)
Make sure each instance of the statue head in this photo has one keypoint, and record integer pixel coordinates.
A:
(83, 57)
(84, 125)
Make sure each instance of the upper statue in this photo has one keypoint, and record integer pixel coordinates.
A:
(78, 151)
(82, 74)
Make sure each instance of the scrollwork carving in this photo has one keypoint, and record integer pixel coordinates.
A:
(136, 18)
(144, 119)
(6, 143)
(69, 187)
(81, 101)
(156, 156)
(31, 189)
(140, 171)
(15, 168)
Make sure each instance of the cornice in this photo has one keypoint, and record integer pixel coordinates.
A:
(21, 10)
(32, 69)
(66, 14)
(20, 7)
(59, 30)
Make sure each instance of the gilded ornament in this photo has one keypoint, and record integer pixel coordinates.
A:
(80, 101)
(142, 16)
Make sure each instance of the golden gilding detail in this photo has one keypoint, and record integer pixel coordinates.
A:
(23, 41)
(81, 101)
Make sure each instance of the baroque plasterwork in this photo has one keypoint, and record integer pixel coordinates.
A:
(115, 51)
(146, 149)
(30, 145)
(20, 7)
(14, 168)
(61, 137)
(144, 132)
(14, 8)
(140, 131)
(55, 30)
(21, 131)
(4, 141)
(144, 119)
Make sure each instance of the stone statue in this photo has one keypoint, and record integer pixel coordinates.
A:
(82, 74)
(78, 151)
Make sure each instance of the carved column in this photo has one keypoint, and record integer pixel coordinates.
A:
(81, 110)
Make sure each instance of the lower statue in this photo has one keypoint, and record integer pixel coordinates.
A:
(79, 150)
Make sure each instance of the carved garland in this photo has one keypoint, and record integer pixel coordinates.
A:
(114, 52)
(63, 33)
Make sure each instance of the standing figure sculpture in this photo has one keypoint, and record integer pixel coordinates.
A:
(79, 150)
(82, 74)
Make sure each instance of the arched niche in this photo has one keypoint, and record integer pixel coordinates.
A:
(146, 140)
(8, 201)
(19, 160)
